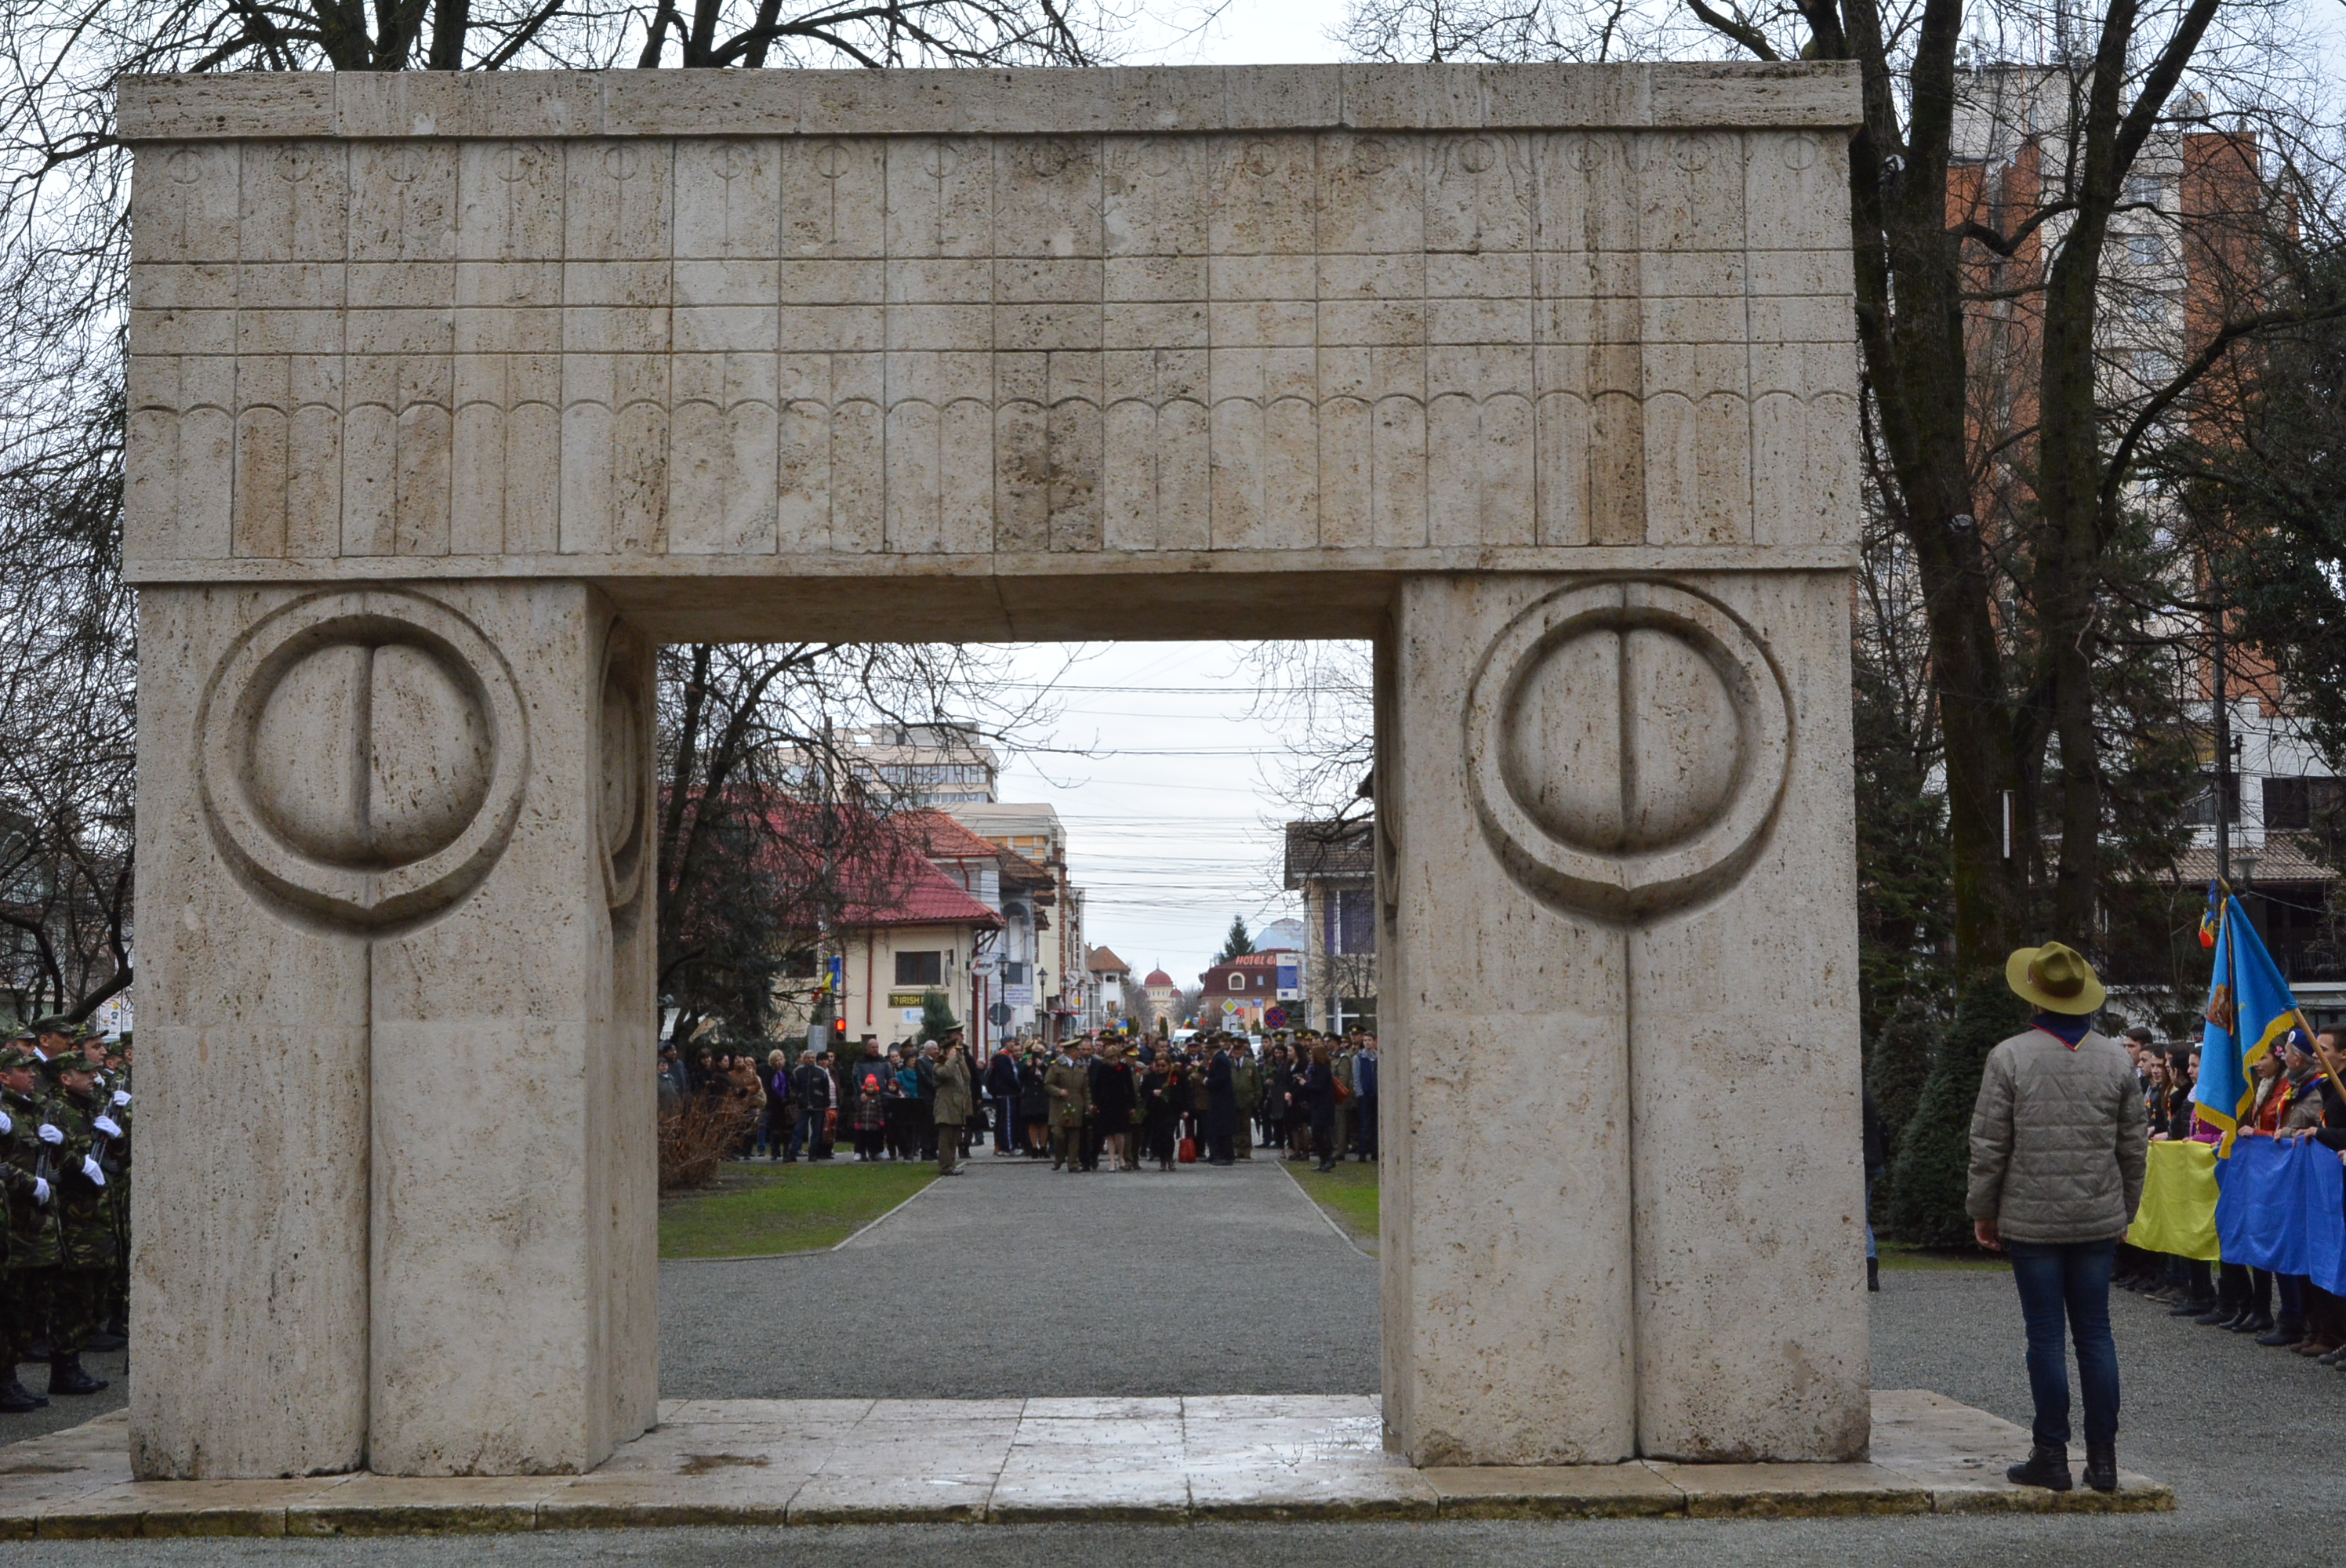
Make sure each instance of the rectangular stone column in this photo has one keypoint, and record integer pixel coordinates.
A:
(1503, 1133)
(397, 1186)
(514, 1202)
(1744, 1086)
(1618, 1010)
(248, 1258)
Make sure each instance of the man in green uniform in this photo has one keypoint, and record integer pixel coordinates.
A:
(1246, 1083)
(1069, 1085)
(112, 1096)
(27, 1160)
(86, 1241)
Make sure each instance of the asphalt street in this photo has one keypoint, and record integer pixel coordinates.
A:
(1207, 1281)
(1017, 1280)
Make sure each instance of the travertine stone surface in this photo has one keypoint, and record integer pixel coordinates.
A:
(450, 396)
(402, 1208)
(1615, 1224)
(860, 323)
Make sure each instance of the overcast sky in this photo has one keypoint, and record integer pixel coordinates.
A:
(1170, 847)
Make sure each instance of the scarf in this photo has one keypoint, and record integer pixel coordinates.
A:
(2069, 1028)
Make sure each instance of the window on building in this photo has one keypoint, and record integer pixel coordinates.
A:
(2299, 805)
(2153, 367)
(1238, 983)
(2146, 250)
(1351, 922)
(2201, 812)
(1014, 973)
(920, 968)
(2144, 190)
(2147, 307)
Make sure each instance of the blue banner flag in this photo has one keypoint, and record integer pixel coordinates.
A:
(2282, 1206)
(2249, 1008)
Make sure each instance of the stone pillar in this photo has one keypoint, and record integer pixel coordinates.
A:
(427, 811)
(1620, 1012)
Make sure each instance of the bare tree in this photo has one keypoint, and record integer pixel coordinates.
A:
(1993, 186)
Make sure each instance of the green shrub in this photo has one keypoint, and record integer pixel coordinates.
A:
(1900, 1064)
(1933, 1163)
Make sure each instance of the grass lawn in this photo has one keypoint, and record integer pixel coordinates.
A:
(1348, 1194)
(763, 1208)
(1896, 1254)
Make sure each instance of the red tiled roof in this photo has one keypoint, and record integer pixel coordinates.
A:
(916, 894)
(1104, 960)
(942, 839)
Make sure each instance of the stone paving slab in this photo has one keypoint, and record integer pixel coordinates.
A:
(1168, 1461)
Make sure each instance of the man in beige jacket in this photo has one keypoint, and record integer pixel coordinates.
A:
(2058, 1147)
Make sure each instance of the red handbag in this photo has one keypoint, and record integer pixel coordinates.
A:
(1189, 1152)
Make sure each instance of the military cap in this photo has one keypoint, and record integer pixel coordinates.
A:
(11, 1059)
(71, 1062)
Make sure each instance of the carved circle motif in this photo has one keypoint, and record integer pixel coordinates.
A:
(1157, 157)
(295, 165)
(186, 166)
(1800, 152)
(1372, 156)
(1049, 158)
(830, 161)
(623, 162)
(1627, 745)
(364, 756)
(1261, 159)
(940, 159)
(1477, 155)
(623, 743)
(402, 165)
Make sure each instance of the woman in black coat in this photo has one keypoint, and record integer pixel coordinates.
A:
(1320, 1102)
(1115, 1104)
(1035, 1102)
(1160, 1112)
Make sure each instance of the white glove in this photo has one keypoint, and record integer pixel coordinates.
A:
(40, 1189)
(49, 1135)
(7, 1126)
(121, 1097)
(92, 1169)
(107, 1126)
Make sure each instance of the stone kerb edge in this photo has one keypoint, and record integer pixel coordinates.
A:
(284, 106)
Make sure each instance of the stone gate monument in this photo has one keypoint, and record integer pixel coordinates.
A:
(451, 397)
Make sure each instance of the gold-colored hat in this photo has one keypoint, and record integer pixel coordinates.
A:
(2055, 977)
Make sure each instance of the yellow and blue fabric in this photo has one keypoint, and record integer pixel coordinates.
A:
(2211, 917)
(2177, 1214)
(2249, 1008)
(2282, 1206)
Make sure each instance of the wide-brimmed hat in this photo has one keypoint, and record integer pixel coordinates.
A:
(2055, 977)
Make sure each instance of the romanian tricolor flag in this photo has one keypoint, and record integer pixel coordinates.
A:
(2250, 1009)
(2213, 918)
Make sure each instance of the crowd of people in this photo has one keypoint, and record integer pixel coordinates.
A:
(65, 1163)
(1103, 1099)
(2295, 1098)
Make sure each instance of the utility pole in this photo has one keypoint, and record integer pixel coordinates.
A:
(2223, 762)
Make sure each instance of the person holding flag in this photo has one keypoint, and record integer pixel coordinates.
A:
(2058, 1150)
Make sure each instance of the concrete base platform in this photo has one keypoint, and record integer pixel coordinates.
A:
(1173, 1460)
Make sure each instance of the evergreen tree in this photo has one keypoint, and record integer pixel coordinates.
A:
(1932, 1170)
(1237, 943)
(936, 1016)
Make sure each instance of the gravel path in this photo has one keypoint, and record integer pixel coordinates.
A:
(1204, 1281)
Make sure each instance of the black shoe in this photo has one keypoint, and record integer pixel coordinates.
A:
(66, 1377)
(2222, 1316)
(2102, 1466)
(2046, 1467)
(1873, 1274)
(2254, 1323)
(109, 1340)
(15, 1399)
(39, 1350)
(2188, 1307)
(2288, 1331)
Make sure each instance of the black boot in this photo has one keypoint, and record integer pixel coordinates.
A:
(106, 1339)
(2046, 1467)
(2223, 1314)
(2188, 1307)
(2288, 1331)
(2102, 1466)
(66, 1377)
(15, 1399)
(2254, 1323)
(1873, 1274)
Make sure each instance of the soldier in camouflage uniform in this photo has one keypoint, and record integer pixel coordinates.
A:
(30, 1244)
(114, 1089)
(87, 1241)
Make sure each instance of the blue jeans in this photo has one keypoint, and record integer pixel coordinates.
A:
(806, 1131)
(2071, 1278)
